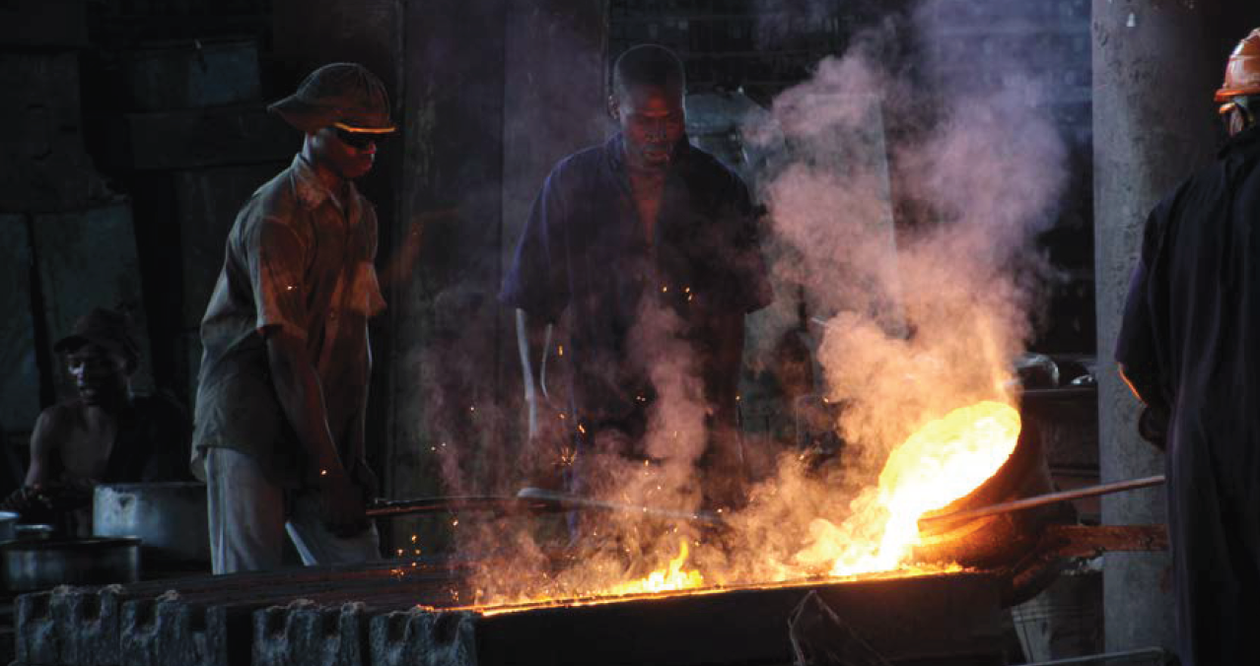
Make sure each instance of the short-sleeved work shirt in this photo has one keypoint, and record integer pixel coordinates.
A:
(584, 250)
(300, 260)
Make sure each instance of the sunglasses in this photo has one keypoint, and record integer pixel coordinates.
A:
(358, 140)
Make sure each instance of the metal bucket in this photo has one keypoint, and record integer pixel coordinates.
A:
(37, 565)
(8, 521)
(169, 518)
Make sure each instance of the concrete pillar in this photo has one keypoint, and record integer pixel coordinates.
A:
(554, 90)
(445, 246)
(1155, 68)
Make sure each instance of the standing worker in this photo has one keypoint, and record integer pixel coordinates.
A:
(642, 230)
(283, 388)
(1188, 350)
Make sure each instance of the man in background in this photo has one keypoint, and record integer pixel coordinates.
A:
(106, 434)
(644, 228)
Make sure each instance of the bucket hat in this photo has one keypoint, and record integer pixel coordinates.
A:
(107, 328)
(344, 95)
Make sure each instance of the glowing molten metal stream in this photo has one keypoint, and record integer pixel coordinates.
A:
(940, 463)
(944, 460)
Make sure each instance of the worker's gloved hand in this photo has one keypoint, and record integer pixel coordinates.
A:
(341, 504)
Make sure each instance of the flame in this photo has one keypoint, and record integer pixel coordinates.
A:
(938, 464)
(662, 580)
(942, 461)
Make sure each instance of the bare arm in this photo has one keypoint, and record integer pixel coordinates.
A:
(302, 399)
(43, 450)
(357, 467)
(532, 339)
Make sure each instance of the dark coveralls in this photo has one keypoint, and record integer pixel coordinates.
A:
(584, 250)
(1190, 342)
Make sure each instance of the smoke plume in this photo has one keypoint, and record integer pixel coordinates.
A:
(903, 201)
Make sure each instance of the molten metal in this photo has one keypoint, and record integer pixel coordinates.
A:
(943, 461)
(663, 580)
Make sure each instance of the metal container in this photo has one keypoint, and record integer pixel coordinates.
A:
(8, 521)
(169, 518)
(1002, 539)
(37, 565)
(33, 532)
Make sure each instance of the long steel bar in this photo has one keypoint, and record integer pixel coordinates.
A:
(501, 504)
(566, 501)
(1154, 653)
(1051, 498)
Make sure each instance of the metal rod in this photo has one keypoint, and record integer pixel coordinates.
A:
(1051, 498)
(1157, 653)
(565, 501)
(383, 508)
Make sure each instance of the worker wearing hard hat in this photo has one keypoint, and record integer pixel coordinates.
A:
(1189, 348)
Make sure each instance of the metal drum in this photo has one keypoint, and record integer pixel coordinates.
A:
(169, 518)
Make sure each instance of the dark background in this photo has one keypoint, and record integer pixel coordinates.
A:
(134, 130)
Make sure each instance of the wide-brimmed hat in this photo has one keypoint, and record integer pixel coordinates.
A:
(107, 328)
(344, 95)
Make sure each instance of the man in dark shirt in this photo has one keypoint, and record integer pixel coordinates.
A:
(283, 388)
(649, 246)
(108, 434)
(1188, 349)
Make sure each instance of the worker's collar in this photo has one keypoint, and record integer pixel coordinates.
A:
(1244, 139)
(311, 190)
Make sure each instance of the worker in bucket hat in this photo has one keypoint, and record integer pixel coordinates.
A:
(283, 387)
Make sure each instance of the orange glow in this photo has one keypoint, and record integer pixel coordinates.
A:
(941, 462)
(663, 580)
(602, 599)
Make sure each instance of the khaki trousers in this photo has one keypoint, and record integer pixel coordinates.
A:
(249, 517)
